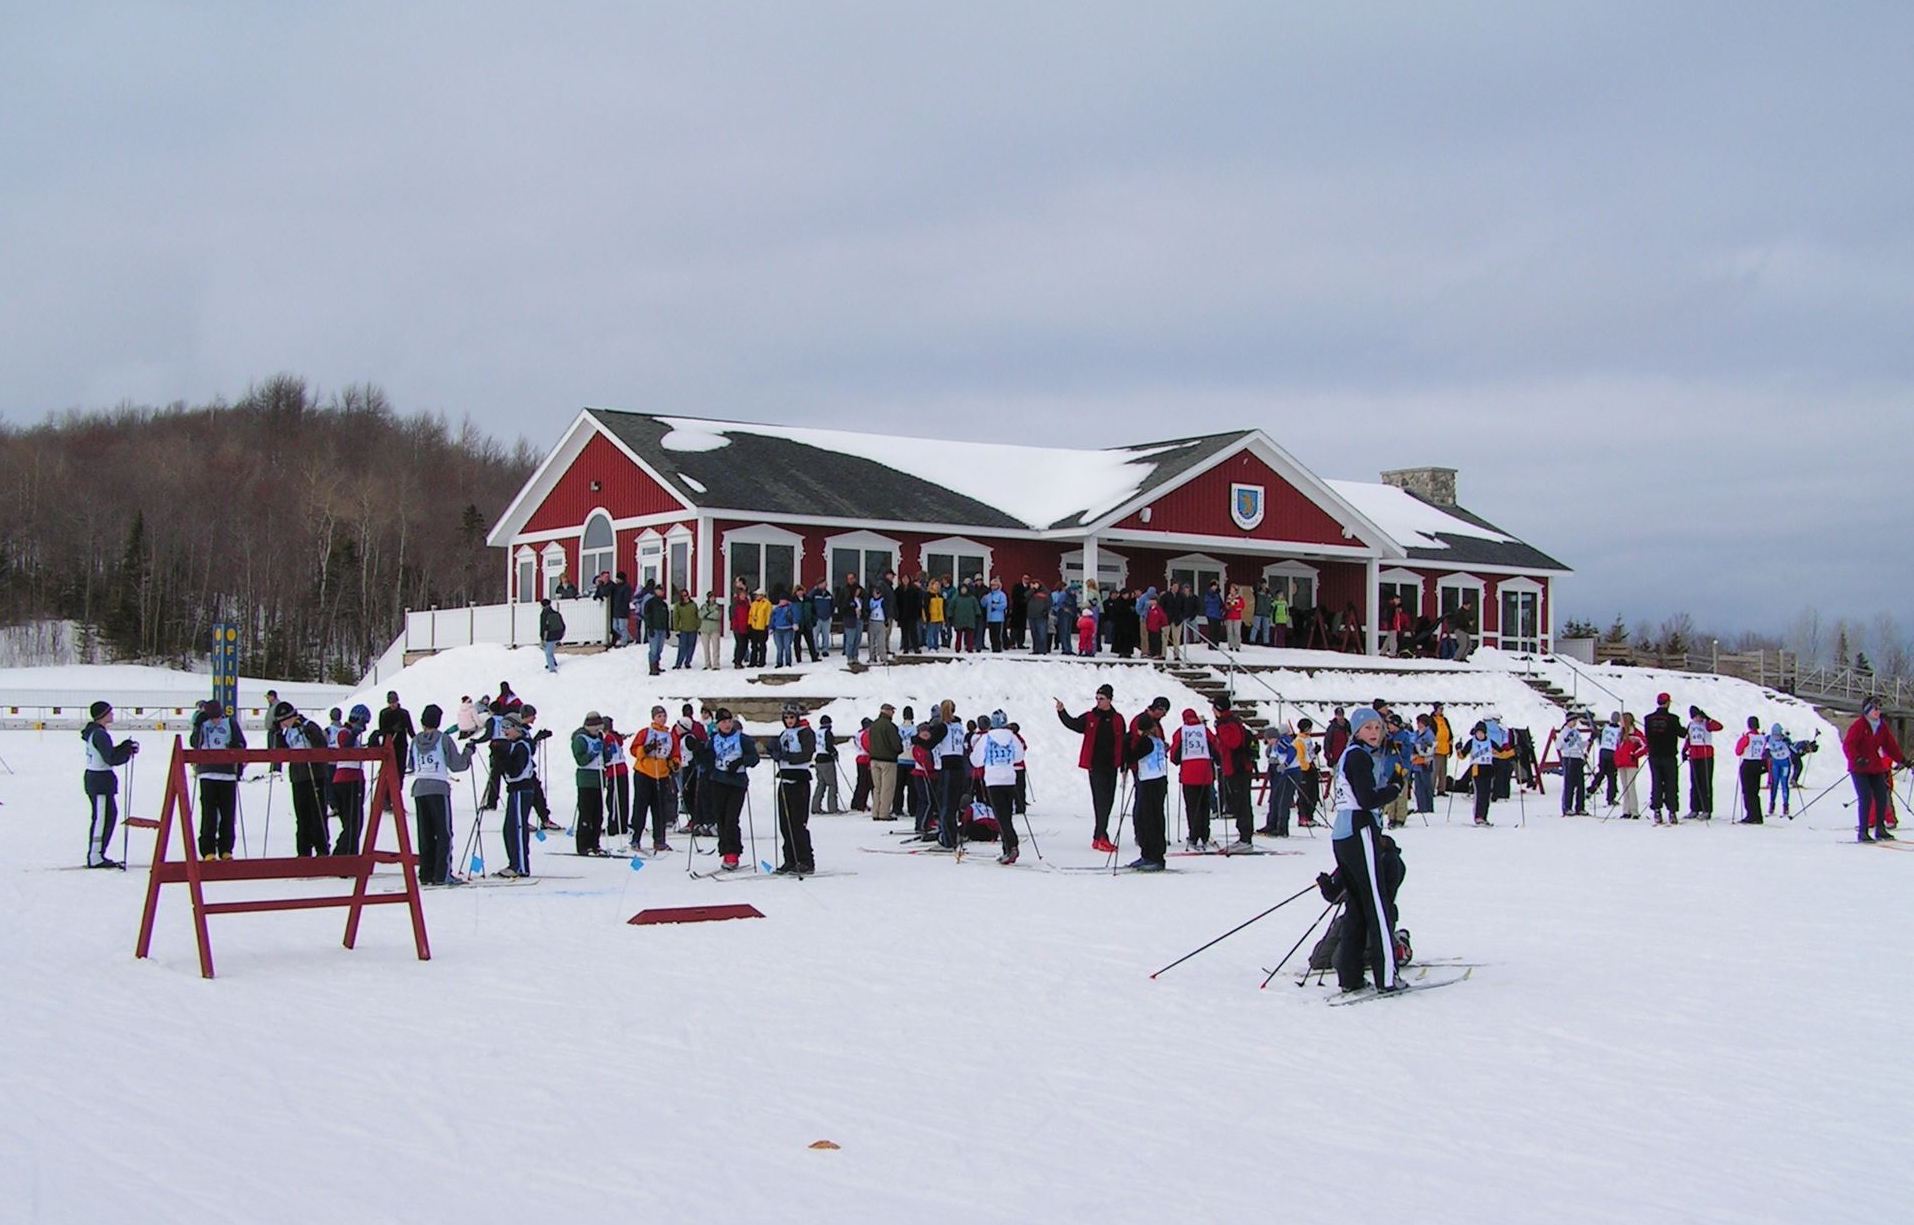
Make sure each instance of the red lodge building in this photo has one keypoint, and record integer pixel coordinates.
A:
(697, 503)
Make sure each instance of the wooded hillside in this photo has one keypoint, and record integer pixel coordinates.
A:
(312, 525)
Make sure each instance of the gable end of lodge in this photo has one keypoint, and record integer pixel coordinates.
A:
(698, 503)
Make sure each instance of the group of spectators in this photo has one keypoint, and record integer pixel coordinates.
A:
(916, 614)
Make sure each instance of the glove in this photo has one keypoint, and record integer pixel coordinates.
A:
(1329, 887)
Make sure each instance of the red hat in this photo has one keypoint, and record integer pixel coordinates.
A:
(1662, 699)
(1189, 716)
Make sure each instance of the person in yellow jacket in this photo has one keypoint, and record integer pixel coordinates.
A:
(1444, 745)
(758, 619)
(934, 615)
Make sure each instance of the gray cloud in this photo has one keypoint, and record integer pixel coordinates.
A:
(1644, 274)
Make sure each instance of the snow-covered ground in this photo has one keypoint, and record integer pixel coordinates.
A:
(1687, 1024)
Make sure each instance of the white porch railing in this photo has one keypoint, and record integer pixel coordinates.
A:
(439, 629)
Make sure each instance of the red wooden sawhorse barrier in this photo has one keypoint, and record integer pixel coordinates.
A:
(177, 810)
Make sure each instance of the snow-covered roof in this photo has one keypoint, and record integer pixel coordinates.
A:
(1440, 533)
(849, 474)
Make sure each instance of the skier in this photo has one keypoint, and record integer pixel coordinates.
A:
(395, 729)
(1700, 752)
(1193, 749)
(1363, 785)
(1284, 773)
(518, 768)
(349, 784)
(725, 756)
(827, 775)
(308, 798)
(1100, 756)
(1481, 770)
(102, 785)
(1780, 768)
(1752, 749)
(885, 744)
(432, 758)
(1149, 759)
(953, 772)
(998, 752)
(795, 746)
(588, 754)
(1872, 753)
(1236, 753)
(1664, 731)
(659, 752)
(213, 728)
(617, 781)
(1574, 750)
(1609, 740)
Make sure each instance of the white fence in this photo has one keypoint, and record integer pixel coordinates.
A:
(439, 629)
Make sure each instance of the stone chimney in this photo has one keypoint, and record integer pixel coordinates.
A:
(1435, 485)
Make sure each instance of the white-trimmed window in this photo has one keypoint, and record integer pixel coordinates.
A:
(527, 561)
(1520, 628)
(1113, 569)
(1452, 589)
(1199, 570)
(763, 556)
(1404, 585)
(678, 559)
(865, 554)
(552, 564)
(954, 558)
(651, 558)
(1295, 581)
(597, 548)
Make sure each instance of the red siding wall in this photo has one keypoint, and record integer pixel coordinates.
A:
(1202, 506)
(624, 491)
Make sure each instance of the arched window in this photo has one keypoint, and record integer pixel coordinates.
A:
(554, 567)
(527, 573)
(597, 548)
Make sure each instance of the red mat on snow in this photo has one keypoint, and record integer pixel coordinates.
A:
(694, 914)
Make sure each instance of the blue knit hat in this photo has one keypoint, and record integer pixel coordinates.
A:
(1363, 717)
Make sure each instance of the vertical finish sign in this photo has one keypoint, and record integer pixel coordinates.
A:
(226, 666)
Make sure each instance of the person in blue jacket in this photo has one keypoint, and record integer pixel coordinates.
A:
(784, 623)
(102, 785)
(1422, 763)
(996, 608)
(1285, 776)
(1780, 768)
(1213, 612)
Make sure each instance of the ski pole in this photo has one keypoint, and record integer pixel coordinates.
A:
(1811, 803)
(1031, 827)
(1123, 812)
(125, 829)
(239, 810)
(1239, 927)
(751, 819)
(1292, 948)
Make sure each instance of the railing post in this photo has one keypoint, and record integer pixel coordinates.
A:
(432, 643)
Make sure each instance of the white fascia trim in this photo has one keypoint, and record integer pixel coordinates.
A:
(1486, 568)
(762, 533)
(863, 539)
(545, 478)
(1195, 561)
(1291, 568)
(617, 525)
(1284, 465)
(1184, 540)
(1400, 577)
(1520, 583)
(825, 521)
(1459, 579)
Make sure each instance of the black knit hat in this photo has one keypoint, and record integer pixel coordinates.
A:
(99, 709)
(431, 715)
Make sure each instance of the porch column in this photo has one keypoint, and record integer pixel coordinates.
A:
(1373, 576)
(1090, 565)
(702, 563)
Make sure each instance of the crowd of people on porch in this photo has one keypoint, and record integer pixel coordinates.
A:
(915, 614)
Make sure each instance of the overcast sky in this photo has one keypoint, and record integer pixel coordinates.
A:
(1644, 273)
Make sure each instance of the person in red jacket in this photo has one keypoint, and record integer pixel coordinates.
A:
(1335, 739)
(1752, 752)
(1104, 734)
(740, 623)
(1193, 749)
(1700, 752)
(1630, 751)
(1872, 754)
(1236, 753)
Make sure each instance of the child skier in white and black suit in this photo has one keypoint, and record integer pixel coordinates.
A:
(102, 785)
(432, 758)
(1364, 782)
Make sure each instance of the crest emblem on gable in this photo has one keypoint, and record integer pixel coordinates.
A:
(1246, 505)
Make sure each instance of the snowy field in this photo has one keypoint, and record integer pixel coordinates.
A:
(1687, 1024)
